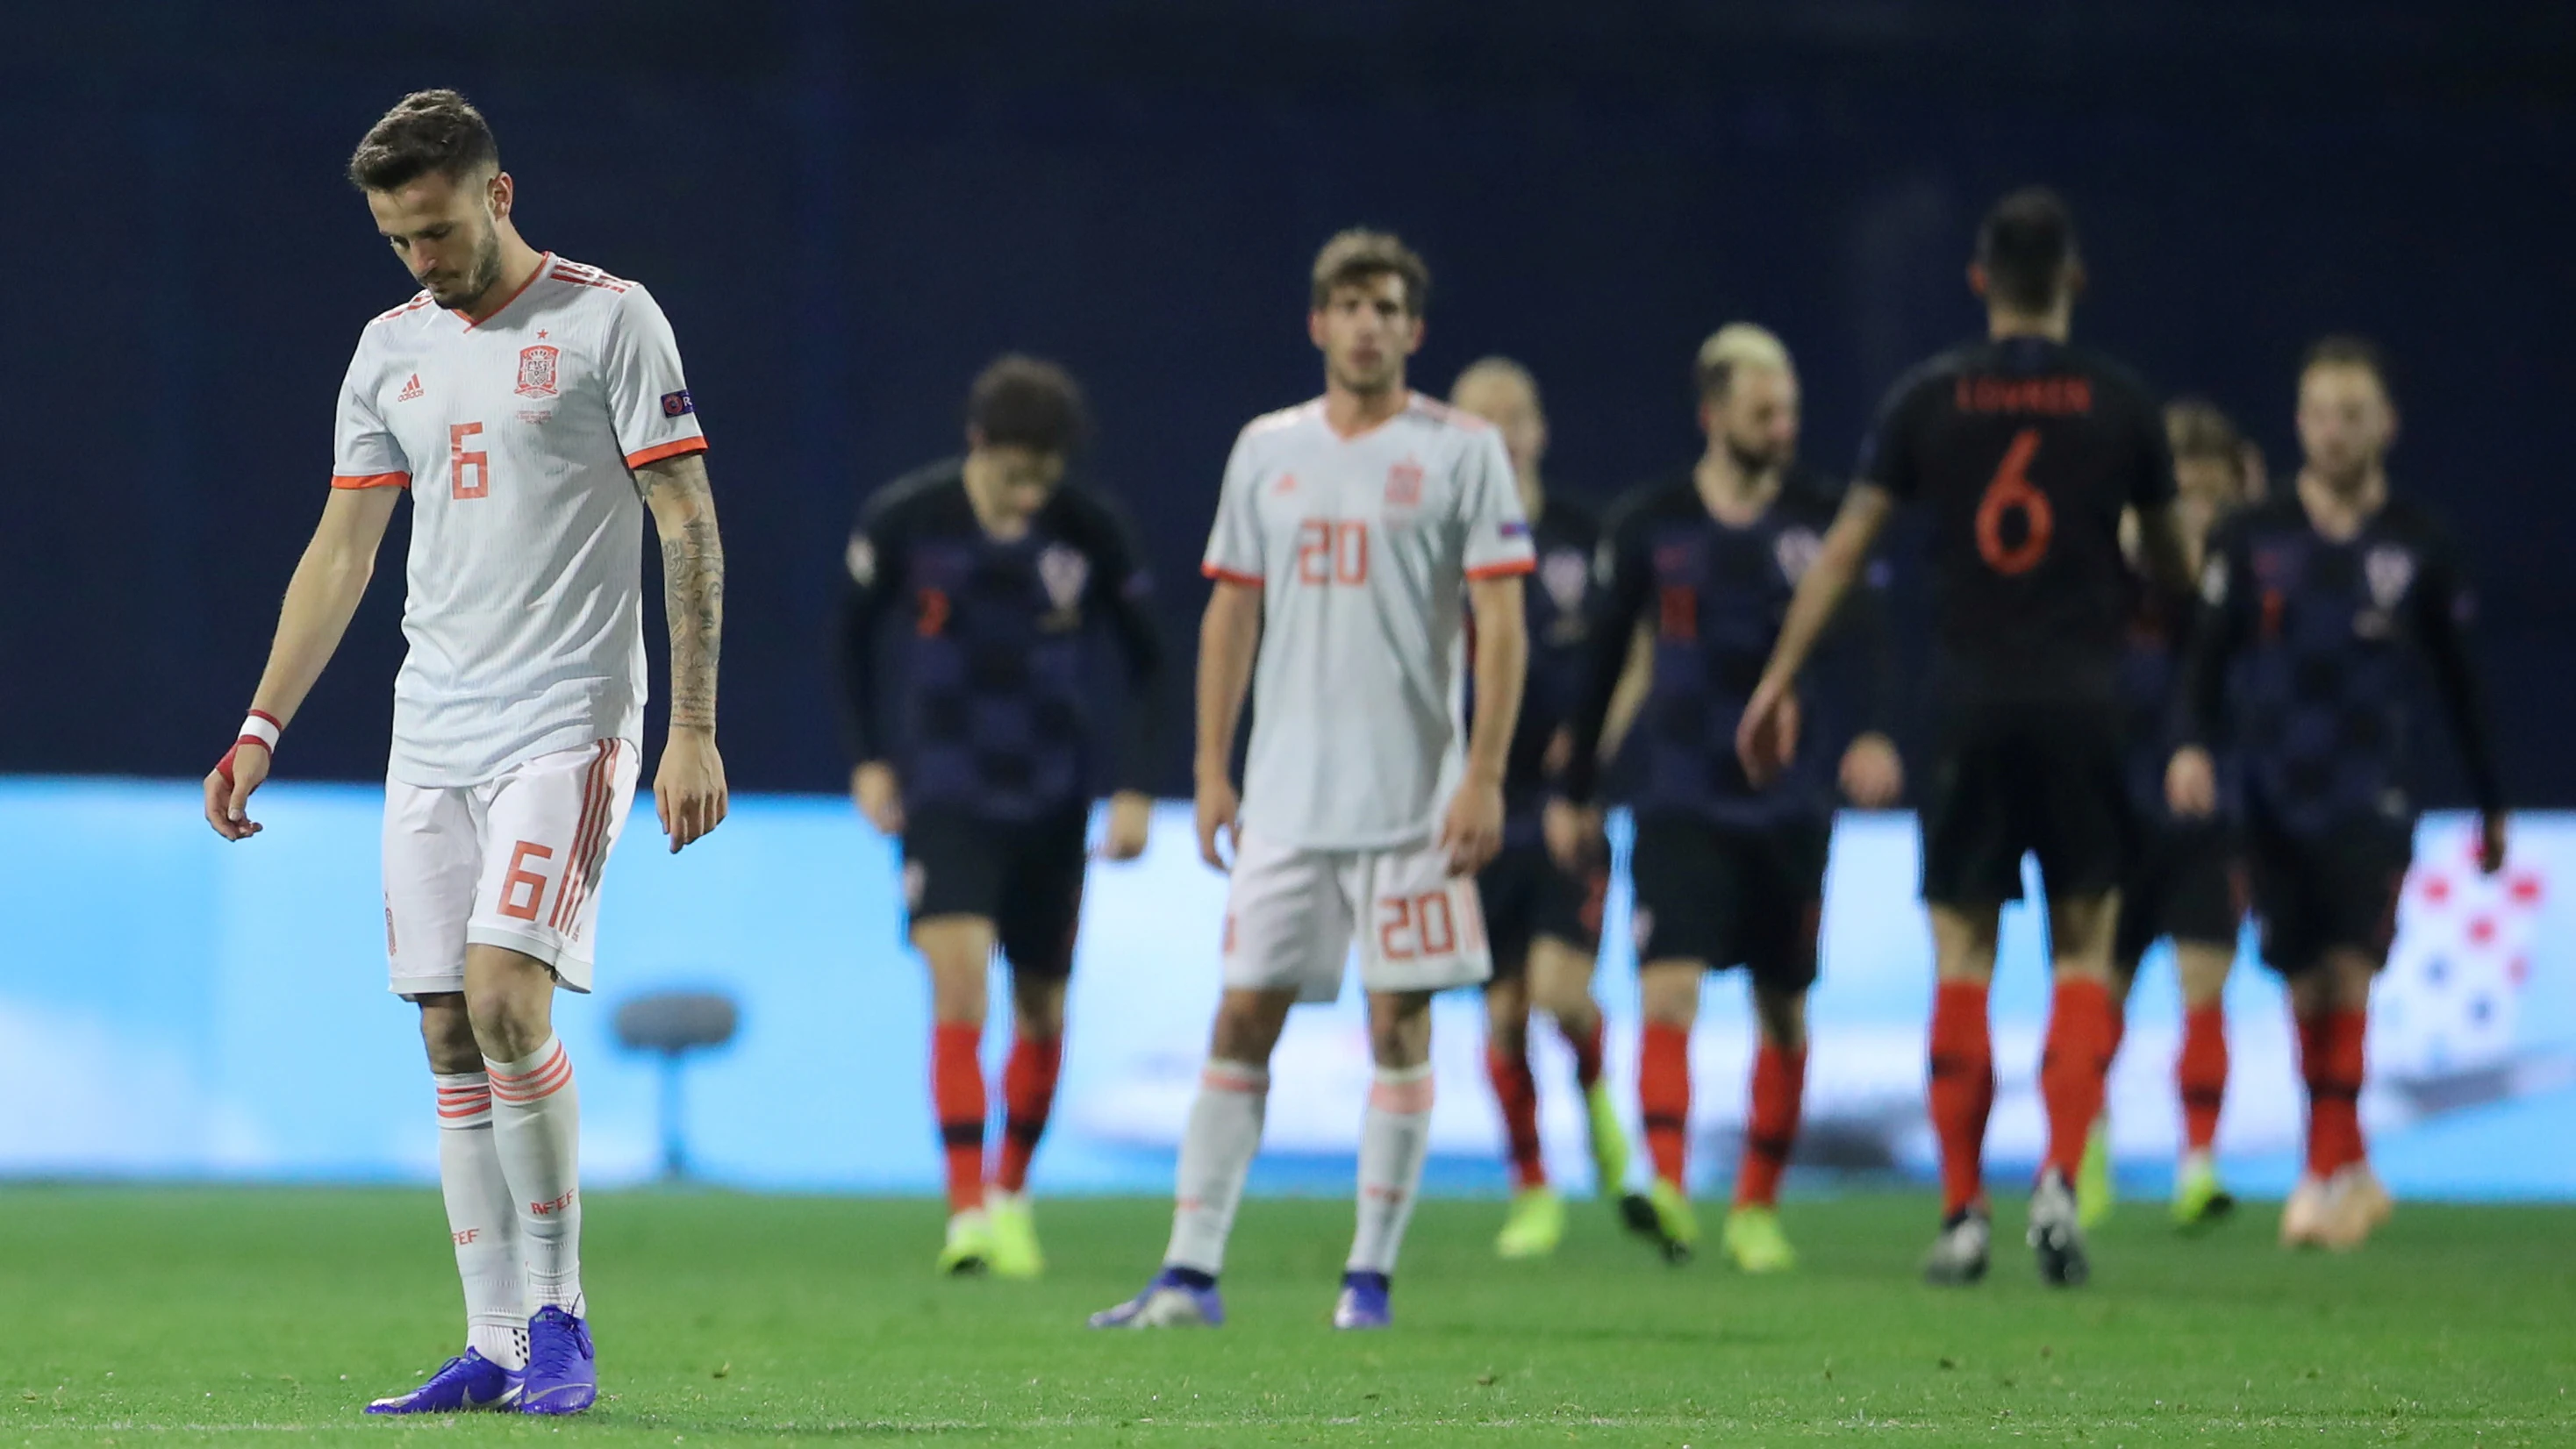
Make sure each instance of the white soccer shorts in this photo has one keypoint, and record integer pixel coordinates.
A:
(513, 862)
(1291, 917)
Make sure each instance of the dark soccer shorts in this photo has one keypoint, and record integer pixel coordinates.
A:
(1750, 898)
(1526, 895)
(2336, 890)
(2039, 779)
(2186, 884)
(1025, 876)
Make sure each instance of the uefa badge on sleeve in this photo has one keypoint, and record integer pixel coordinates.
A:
(537, 370)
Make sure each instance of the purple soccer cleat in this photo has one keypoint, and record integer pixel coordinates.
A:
(1363, 1302)
(462, 1385)
(563, 1373)
(1177, 1298)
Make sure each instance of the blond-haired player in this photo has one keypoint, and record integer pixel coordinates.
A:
(534, 410)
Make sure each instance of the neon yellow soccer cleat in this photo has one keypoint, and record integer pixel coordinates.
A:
(1754, 1240)
(2198, 1200)
(2095, 1193)
(969, 1250)
(1535, 1225)
(1664, 1214)
(1014, 1225)
(1609, 1141)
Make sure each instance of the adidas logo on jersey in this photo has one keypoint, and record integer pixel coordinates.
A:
(411, 389)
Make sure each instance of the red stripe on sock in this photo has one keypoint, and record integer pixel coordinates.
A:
(1771, 1127)
(2200, 1074)
(2073, 1066)
(1963, 1090)
(1516, 1094)
(536, 1085)
(957, 1096)
(1028, 1099)
(1663, 1097)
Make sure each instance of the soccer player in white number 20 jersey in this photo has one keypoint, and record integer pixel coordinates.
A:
(534, 410)
(1352, 534)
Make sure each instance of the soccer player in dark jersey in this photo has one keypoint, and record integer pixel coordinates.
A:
(990, 571)
(2025, 451)
(2184, 884)
(1543, 920)
(1727, 872)
(2317, 610)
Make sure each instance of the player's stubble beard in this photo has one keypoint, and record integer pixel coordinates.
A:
(481, 277)
(1759, 461)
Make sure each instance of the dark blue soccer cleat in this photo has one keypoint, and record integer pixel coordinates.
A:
(1363, 1302)
(462, 1385)
(1177, 1298)
(563, 1374)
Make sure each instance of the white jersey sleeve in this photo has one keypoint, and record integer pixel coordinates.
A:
(1489, 502)
(648, 398)
(364, 452)
(1234, 543)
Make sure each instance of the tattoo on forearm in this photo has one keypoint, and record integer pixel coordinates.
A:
(692, 591)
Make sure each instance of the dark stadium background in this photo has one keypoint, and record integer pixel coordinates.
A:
(846, 209)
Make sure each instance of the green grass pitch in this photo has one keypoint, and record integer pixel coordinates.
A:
(165, 1316)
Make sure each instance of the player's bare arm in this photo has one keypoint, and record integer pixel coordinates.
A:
(321, 598)
(2166, 547)
(689, 788)
(1229, 637)
(1473, 831)
(1768, 735)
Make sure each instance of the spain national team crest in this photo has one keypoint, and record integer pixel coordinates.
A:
(537, 370)
(1064, 573)
(1404, 485)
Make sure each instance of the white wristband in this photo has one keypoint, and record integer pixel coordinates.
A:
(261, 730)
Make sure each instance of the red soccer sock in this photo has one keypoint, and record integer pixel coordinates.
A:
(1587, 1053)
(2072, 1068)
(957, 1096)
(1028, 1096)
(1516, 1093)
(1771, 1129)
(1663, 1097)
(2200, 1074)
(1963, 1090)
(2331, 1052)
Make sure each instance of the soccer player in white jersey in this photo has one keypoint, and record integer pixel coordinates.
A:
(1352, 534)
(534, 410)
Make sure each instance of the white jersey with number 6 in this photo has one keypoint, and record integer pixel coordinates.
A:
(1362, 547)
(517, 437)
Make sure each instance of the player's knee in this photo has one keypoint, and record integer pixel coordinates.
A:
(1400, 1029)
(510, 1004)
(1668, 992)
(1248, 1025)
(447, 1031)
(1782, 1017)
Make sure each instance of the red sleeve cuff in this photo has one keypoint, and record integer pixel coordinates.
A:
(1505, 569)
(371, 480)
(1230, 576)
(671, 449)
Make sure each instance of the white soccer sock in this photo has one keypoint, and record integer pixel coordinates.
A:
(482, 1219)
(1216, 1153)
(1395, 1140)
(536, 1129)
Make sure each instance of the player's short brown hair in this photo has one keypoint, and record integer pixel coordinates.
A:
(1027, 402)
(2197, 429)
(2347, 349)
(2027, 247)
(426, 132)
(1358, 256)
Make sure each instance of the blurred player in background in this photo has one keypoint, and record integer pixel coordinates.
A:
(2184, 884)
(1727, 872)
(534, 409)
(1350, 535)
(1543, 919)
(2026, 452)
(2319, 607)
(992, 568)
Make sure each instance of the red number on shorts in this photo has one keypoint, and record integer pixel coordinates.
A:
(1678, 606)
(934, 614)
(517, 876)
(1424, 925)
(1332, 551)
(459, 462)
(2012, 491)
